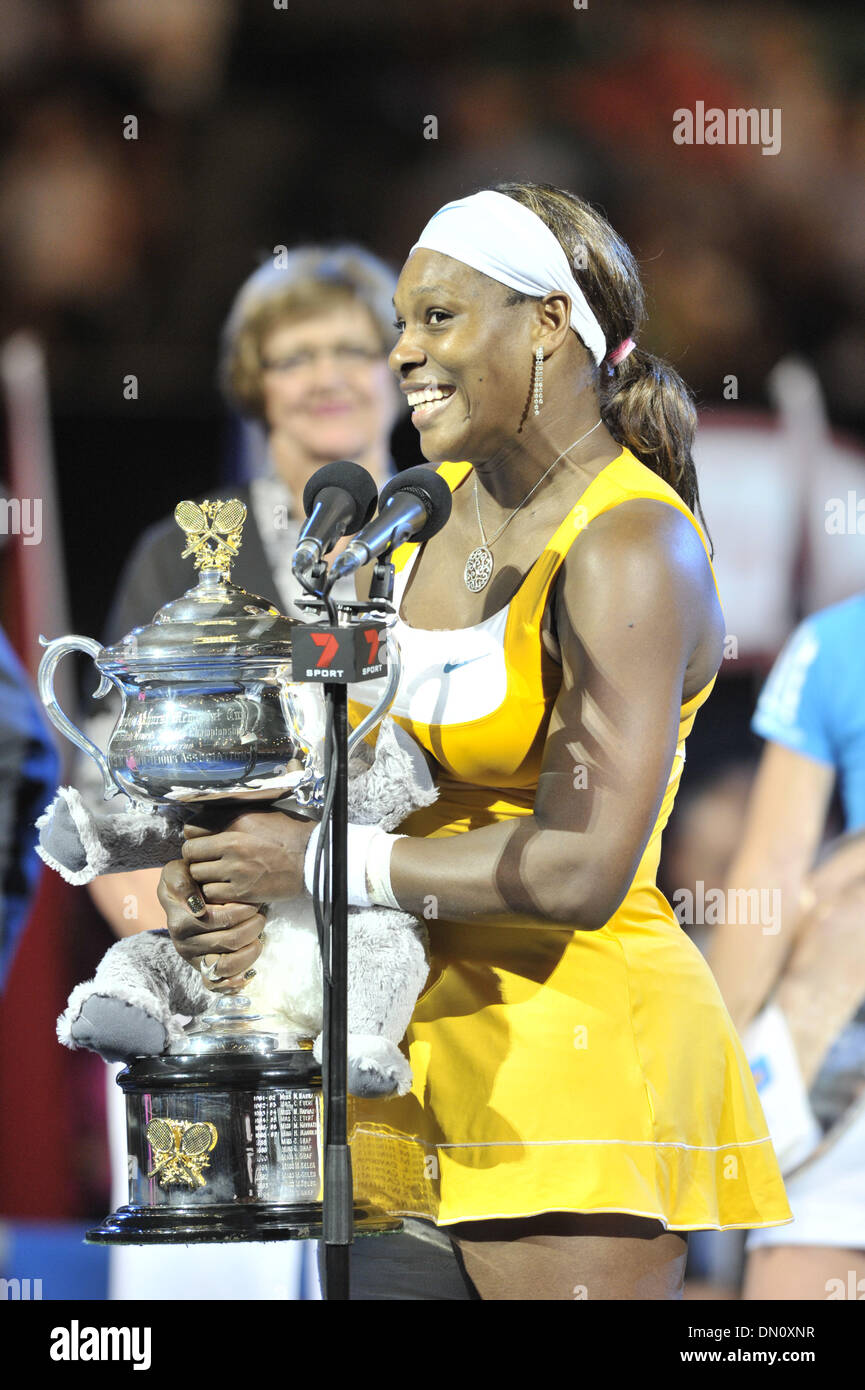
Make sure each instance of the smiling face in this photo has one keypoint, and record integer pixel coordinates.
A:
(464, 357)
(325, 383)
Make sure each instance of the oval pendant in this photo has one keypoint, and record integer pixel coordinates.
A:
(479, 567)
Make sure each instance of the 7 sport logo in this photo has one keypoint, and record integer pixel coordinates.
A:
(329, 646)
(341, 654)
(373, 637)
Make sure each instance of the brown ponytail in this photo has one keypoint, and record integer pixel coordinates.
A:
(644, 403)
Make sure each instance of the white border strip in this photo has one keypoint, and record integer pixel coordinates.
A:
(563, 1143)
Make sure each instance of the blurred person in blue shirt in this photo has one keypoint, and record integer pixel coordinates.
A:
(29, 773)
(797, 994)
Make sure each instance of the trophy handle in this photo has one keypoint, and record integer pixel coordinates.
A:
(303, 712)
(54, 651)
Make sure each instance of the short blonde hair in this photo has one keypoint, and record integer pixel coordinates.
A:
(312, 280)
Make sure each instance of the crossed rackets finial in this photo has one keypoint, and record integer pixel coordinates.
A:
(213, 532)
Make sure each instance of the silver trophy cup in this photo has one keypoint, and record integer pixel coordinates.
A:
(224, 1134)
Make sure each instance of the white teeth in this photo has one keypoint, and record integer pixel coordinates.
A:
(426, 396)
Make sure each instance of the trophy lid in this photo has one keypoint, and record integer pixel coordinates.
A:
(216, 620)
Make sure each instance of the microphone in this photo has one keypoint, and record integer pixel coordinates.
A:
(338, 500)
(413, 505)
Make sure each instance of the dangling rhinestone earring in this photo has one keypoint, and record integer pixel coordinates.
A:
(538, 388)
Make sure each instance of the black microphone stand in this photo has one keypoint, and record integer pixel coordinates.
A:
(338, 1193)
(338, 1186)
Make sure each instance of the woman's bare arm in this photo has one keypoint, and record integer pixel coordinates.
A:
(823, 982)
(634, 600)
(783, 829)
(128, 902)
(840, 866)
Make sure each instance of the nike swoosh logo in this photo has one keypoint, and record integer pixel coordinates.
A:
(452, 665)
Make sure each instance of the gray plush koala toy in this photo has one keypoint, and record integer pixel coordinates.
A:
(142, 991)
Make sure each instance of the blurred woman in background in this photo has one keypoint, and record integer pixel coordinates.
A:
(304, 360)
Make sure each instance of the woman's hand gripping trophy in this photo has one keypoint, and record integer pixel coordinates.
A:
(215, 897)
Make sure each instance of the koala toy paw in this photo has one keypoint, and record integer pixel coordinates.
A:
(116, 1030)
(376, 1067)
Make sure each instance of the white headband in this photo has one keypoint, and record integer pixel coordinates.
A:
(503, 239)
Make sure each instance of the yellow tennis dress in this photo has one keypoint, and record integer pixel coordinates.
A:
(555, 1069)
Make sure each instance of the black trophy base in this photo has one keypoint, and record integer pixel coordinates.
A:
(225, 1147)
(254, 1221)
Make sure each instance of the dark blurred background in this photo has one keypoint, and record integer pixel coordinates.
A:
(258, 126)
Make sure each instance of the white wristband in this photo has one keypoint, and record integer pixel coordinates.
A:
(369, 851)
(378, 855)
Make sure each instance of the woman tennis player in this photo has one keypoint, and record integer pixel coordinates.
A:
(581, 1099)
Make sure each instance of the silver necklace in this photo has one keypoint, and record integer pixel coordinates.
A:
(479, 565)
